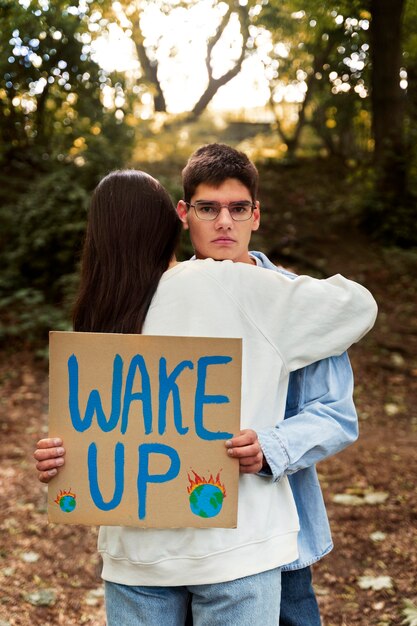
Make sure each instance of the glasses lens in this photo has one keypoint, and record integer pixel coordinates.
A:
(207, 210)
(240, 211)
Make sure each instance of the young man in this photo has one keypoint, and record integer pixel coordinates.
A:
(319, 404)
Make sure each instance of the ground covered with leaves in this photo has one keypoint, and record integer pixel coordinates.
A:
(50, 574)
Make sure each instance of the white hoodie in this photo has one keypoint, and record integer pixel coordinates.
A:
(285, 324)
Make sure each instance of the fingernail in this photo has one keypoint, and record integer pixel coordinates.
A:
(60, 451)
(228, 444)
(59, 461)
(52, 472)
(230, 452)
(57, 442)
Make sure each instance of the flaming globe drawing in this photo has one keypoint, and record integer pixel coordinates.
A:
(206, 495)
(66, 500)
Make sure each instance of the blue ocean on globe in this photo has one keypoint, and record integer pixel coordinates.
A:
(206, 500)
(67, 504)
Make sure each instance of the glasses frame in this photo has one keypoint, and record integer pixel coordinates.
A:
(221, 206)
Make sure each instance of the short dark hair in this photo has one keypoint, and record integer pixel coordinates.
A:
(213, 164)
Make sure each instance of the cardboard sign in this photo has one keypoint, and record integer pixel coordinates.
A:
(144, 421)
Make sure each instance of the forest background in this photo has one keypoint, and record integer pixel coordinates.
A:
(323, 97)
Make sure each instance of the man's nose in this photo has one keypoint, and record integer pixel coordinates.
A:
(224, 219)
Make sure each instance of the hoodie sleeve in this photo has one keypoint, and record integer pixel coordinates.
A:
(306, 319)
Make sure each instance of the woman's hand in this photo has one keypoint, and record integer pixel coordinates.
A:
(49, 455)
(246, 447)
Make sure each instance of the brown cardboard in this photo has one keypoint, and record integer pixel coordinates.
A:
(191, 446)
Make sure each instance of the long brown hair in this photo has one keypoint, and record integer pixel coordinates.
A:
(132, 233)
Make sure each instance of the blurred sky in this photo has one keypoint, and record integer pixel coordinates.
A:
(180, 38)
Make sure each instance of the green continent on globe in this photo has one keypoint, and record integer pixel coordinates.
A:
(206, 500)
(67, 504)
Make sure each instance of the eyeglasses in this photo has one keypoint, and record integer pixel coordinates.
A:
(208, 210)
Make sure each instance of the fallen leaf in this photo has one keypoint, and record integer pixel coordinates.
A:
(377, 536)
(8, 571)
(7, 472)
(375, 497)
(30, 557)
(42, 597)
(347, 499)
(378, 606)
(372, 497)
(397, 359)
(376, 583)
(391, 409)
(94, 596)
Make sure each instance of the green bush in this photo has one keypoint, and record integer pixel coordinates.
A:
(42, 233)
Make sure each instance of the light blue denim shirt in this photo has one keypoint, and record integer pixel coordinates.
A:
(320, 420)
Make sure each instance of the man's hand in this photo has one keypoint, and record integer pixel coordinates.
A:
(245, 447)
(49, 455)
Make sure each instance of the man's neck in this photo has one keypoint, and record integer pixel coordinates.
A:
(249, 259)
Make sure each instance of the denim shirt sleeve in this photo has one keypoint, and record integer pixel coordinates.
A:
(320, 416)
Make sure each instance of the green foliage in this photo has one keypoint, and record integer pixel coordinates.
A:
(25, 318)
(58, 140)
(322, 50)
(51, 101)
(388, 217)
(391, 219)
(41, 237)
(410, 613)
(47, 228)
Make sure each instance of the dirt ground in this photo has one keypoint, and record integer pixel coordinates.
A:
(50, 575)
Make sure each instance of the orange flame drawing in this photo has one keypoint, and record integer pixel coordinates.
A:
(198, 480)
(63, 493)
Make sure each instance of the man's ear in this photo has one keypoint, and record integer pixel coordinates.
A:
(256, 216)
(183, 214)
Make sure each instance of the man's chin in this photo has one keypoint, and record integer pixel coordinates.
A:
(223, 257)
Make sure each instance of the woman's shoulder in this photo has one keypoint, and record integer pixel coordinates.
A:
(194, 266)
(220, 270)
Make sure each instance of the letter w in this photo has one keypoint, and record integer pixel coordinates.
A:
(94, 401)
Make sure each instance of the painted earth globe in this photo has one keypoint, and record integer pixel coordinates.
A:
(67, 504)
(206, 500)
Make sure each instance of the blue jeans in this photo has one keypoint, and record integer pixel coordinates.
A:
(298, 602)
(244, 601)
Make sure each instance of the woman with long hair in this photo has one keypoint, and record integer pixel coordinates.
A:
(131, 283)
(132, 233)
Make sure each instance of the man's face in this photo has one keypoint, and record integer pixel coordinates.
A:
(222, 238)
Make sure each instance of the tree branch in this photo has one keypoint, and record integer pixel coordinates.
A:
(214, 39)
(318, 61)
(214, 84)
(149, 67)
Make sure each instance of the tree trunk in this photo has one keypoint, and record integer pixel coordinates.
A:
(150, 72)
(388, 99)
(149, 67)
(391, 213)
